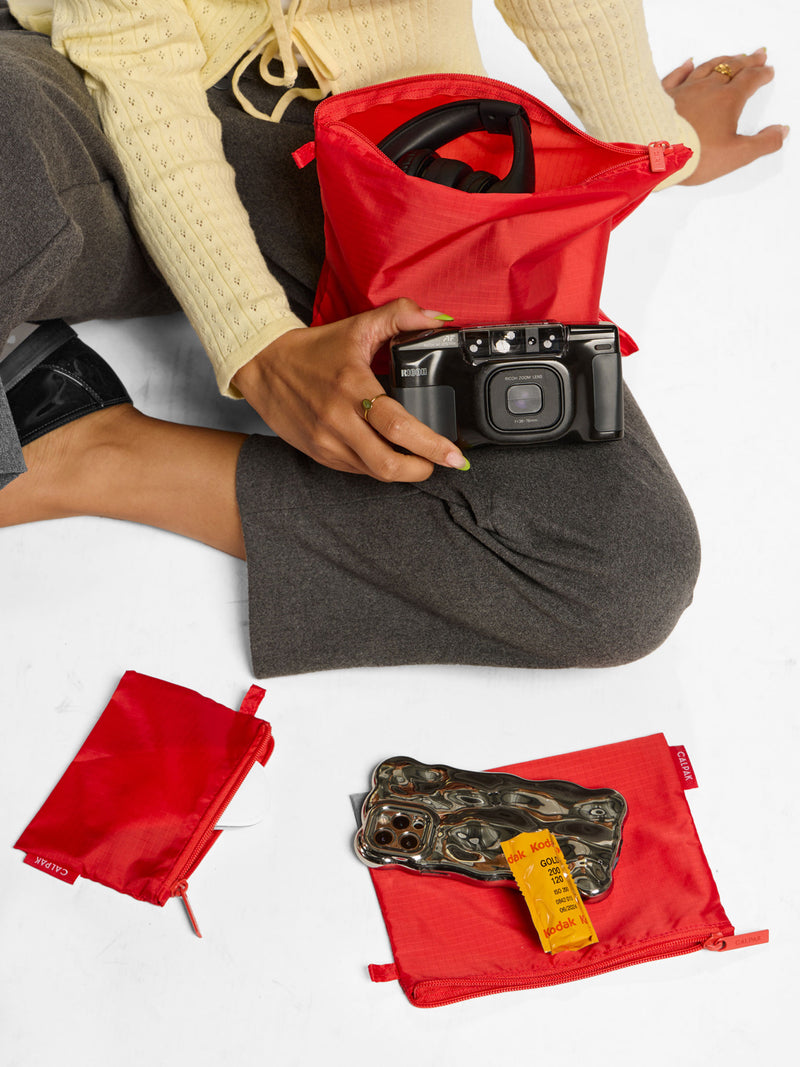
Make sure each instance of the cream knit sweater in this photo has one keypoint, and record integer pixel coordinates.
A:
(148, 64)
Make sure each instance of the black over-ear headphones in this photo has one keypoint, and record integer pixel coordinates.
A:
(412, 145)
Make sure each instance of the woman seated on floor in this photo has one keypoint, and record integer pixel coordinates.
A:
(148, 176)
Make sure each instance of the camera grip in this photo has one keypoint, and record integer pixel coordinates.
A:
(607, 392)
(435, 405)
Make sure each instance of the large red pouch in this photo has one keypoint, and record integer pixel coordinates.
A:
(137, 808)
(452, 940)
(495, 257)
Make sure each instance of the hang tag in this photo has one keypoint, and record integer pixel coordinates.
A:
(720, 943)
(683, 765)
(304, 154)
(55, 870)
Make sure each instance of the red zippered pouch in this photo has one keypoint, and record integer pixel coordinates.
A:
(452, 940)
(137, 808)
(503, 257)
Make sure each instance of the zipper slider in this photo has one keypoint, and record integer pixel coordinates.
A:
(656, 150)
(180, 891)
(719, 943)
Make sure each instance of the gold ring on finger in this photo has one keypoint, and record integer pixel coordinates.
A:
(367, 405)
(725, 69)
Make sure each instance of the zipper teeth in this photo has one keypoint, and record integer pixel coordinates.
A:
(634, 151)
(218, 806)
(640, 158)
(634, 156)
(678, 947)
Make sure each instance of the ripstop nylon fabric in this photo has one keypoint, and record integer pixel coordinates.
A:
(135, 809)
(506, 257)
(452, 940)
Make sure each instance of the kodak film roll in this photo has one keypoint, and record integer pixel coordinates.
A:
(556, 907)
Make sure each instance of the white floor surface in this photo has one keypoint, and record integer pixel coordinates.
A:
(706, 281)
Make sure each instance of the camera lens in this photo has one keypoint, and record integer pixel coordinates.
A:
(401, 822)
(524, 399)
(529, 397)
(409, 841)
(384, 837)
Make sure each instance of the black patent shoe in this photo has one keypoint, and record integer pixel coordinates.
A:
(53, 378)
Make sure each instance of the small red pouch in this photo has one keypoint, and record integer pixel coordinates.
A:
(452, 940)
(137, 808)
(503, 257)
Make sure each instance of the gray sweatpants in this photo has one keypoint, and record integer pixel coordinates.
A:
(554, 556)
(574, 555)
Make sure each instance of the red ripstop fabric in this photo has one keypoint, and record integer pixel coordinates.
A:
(137, 807)
(482, 258)
(452, 940)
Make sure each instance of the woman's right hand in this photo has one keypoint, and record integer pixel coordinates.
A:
(309, 384)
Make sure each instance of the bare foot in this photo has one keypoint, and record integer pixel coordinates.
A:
(65, 466)
(118, 463)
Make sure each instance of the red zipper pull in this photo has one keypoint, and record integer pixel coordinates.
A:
(721, 943)
(180, 891)
(658, 162)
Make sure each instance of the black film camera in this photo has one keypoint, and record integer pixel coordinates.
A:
(512, 384)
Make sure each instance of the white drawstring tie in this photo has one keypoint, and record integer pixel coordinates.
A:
(280, 42)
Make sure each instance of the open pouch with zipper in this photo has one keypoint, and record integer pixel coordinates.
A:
(137, 808)
(485, 257)
(452, 940)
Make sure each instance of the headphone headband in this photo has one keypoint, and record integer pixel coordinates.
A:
(438, 126)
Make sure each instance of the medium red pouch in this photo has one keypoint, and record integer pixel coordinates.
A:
(503, 257)
(137, 808)
(452, 940)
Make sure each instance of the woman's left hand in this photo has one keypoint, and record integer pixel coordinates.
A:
(712, 101)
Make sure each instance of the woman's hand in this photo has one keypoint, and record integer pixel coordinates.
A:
(713, 103)
(308, 386)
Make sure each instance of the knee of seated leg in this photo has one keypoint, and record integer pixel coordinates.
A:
(648, 588)
(616, 587)
(609, 614)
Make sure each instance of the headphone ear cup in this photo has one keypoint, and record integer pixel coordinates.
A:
(449, 172)
(478, 181)
(415, 163)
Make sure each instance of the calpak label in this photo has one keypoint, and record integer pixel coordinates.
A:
(51, 868)
(683, 766)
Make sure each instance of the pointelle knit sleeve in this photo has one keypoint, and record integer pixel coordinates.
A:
(143, 62)
(597, 53)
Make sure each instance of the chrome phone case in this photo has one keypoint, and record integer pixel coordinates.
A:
(436, 819)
